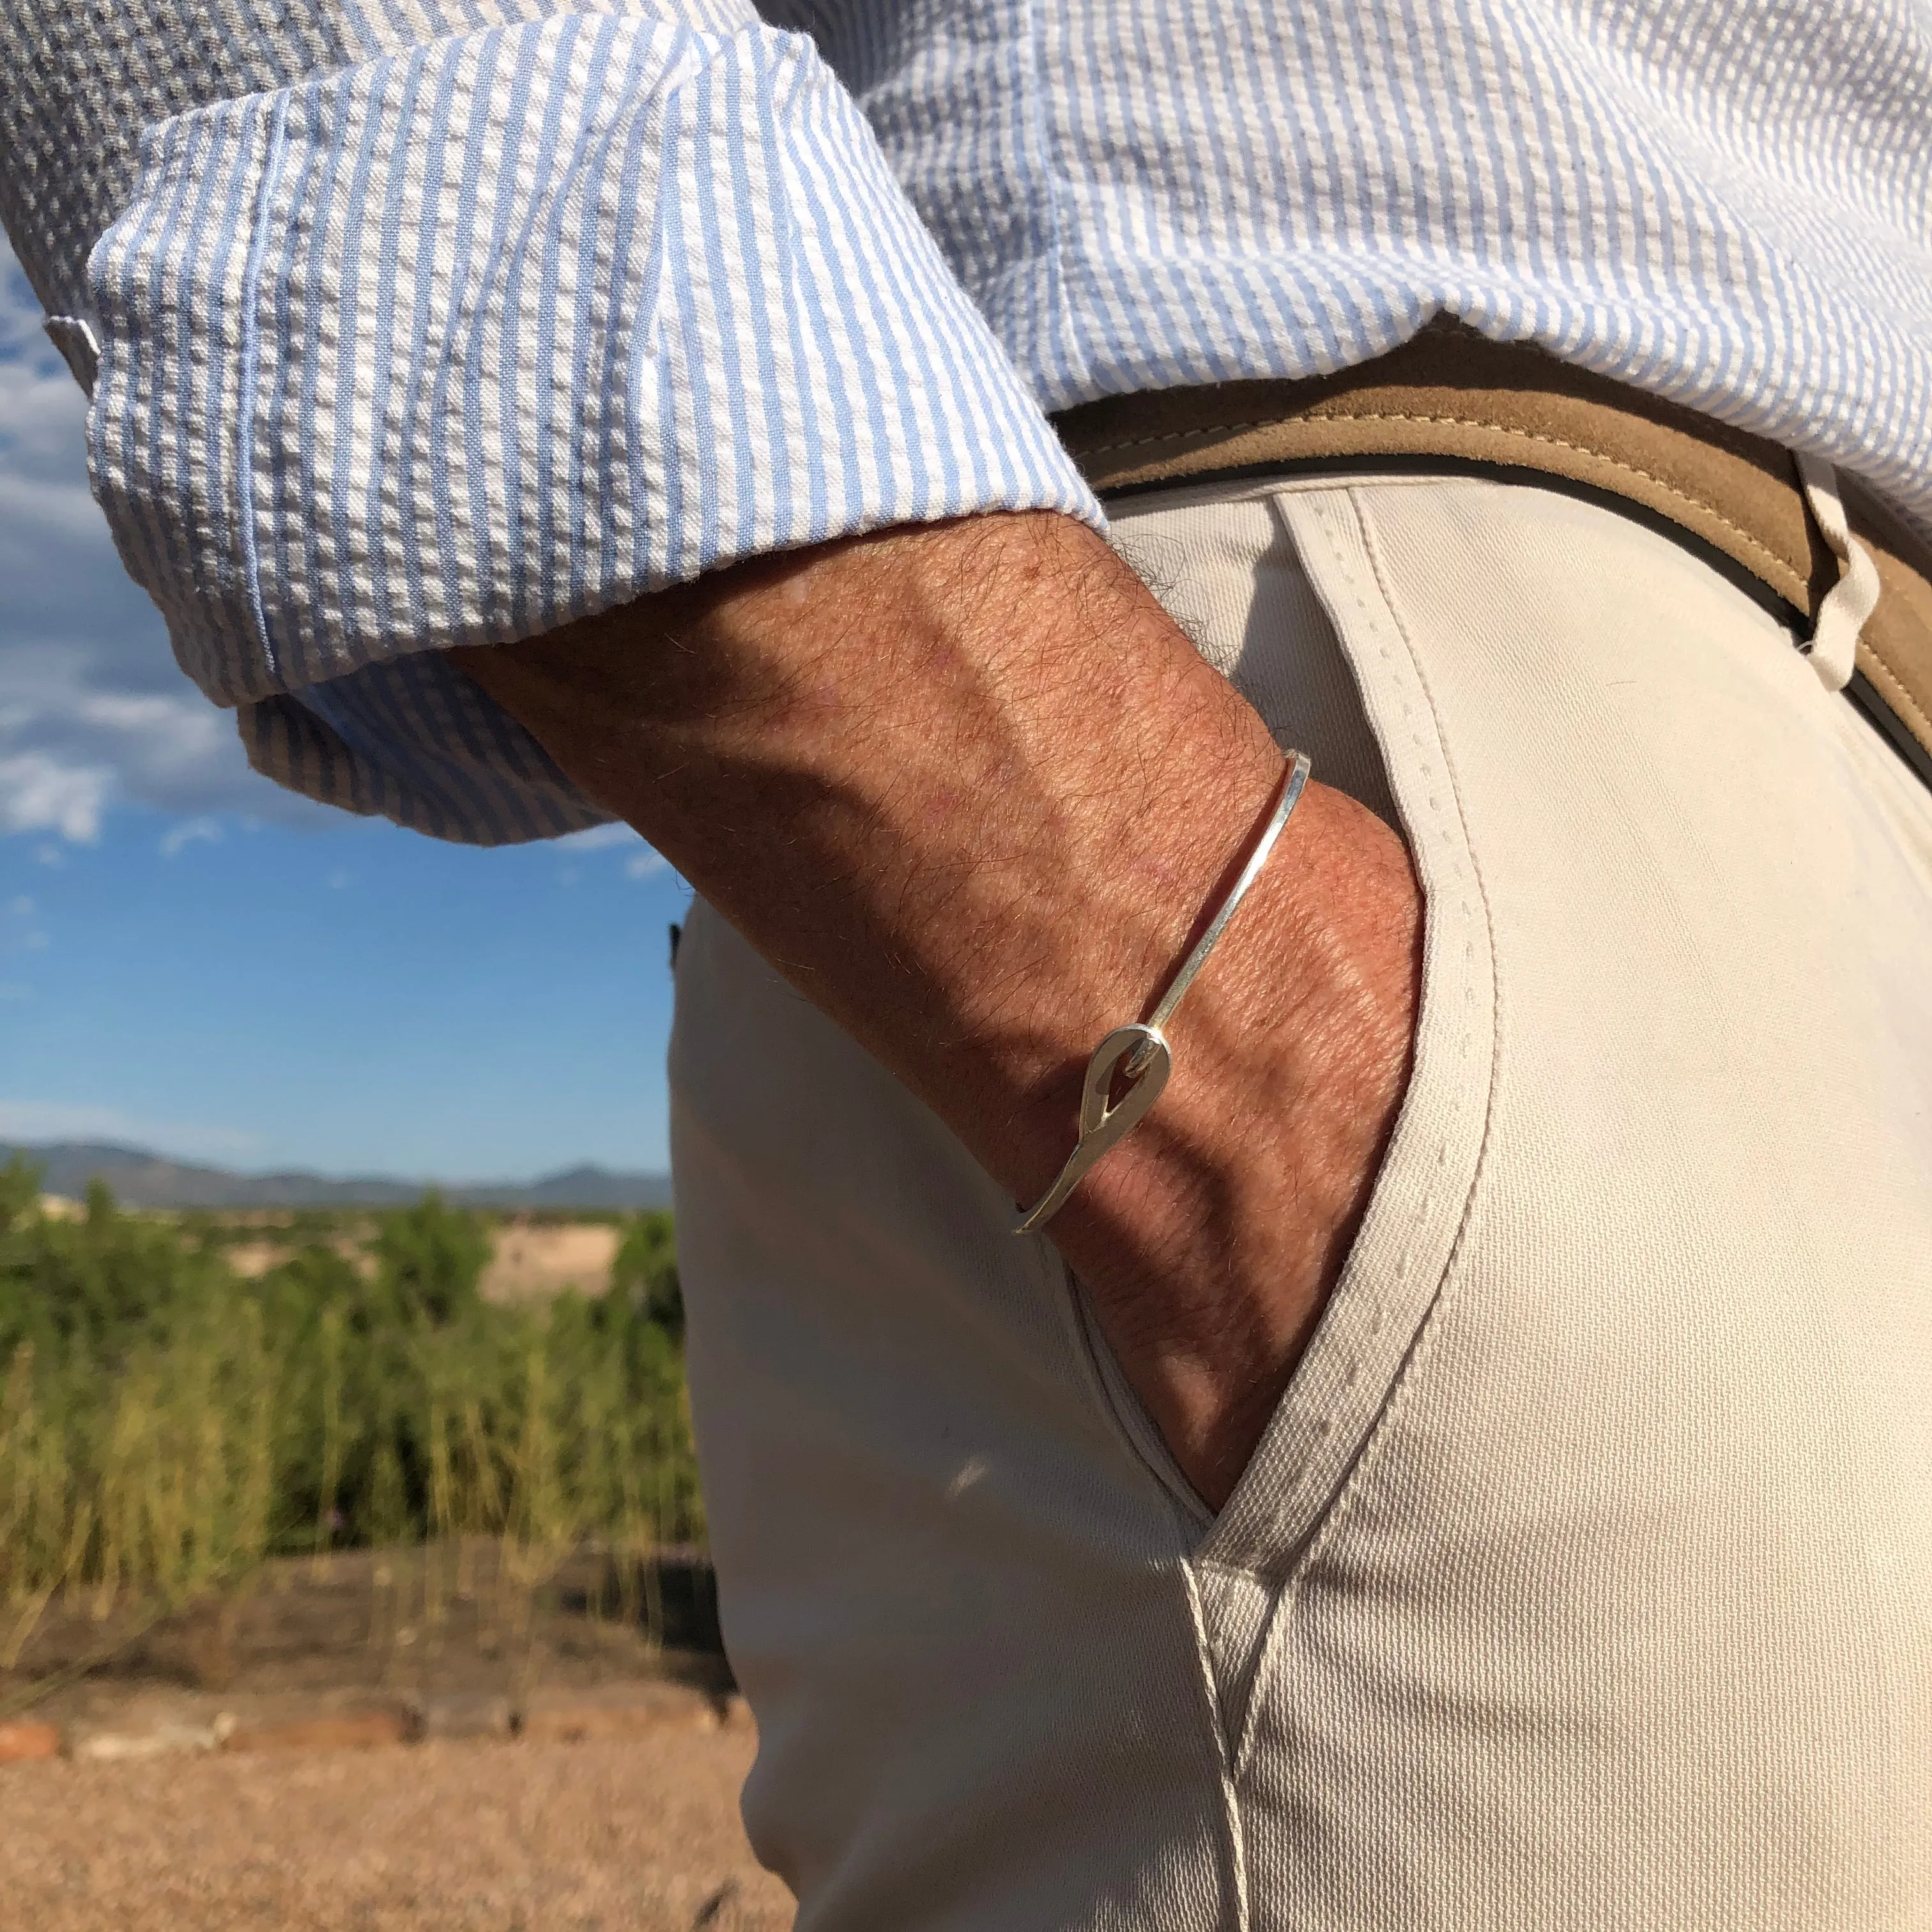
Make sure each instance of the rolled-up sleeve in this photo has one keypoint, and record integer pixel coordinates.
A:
(455, 344)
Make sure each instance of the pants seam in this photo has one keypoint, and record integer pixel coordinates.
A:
(1235, 1836)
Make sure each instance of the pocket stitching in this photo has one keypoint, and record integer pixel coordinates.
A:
(1323, 1518)
(1262, 1538)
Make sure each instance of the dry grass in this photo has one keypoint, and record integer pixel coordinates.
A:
(167, 1425)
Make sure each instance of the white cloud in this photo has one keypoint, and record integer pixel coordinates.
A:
(73, 745)
(39, 792)
(94, 711)
(189, 832)
(599, 838)
(642, 863)
(65, 511)
(64, 1120)
(22, 336)
(40, 405)
(340, 879)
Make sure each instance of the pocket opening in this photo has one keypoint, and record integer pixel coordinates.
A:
(1125, 1412)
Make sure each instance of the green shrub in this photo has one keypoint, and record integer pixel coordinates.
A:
(644, 1271)
(165, 1424)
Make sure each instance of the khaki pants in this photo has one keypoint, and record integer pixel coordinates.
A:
(1584, 1578)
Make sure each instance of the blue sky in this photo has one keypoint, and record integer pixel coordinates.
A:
(194, 961)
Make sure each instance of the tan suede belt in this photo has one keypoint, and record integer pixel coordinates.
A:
(1449, 394)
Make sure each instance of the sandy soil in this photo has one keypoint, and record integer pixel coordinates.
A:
(529, 1260)
(534, 1262)
(623, 1835)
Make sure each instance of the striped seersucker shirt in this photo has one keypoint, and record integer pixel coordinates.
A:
(417, 322)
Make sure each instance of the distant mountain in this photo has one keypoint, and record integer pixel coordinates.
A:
(585, 1186)
(143, 1180)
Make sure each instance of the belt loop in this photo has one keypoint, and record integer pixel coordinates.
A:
(1834, 646)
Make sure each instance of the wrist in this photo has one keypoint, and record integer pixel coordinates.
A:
(1295, 1021)
(1209, 1238)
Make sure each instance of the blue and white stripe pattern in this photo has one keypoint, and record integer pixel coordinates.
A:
(422, 324)
(463, 343)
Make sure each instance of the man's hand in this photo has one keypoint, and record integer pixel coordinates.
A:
(971, 790)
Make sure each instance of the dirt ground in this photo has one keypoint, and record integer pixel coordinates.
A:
(443, 1619)
(617, 1835)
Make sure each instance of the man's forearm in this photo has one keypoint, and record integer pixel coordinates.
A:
(945, 781)
(970, 789)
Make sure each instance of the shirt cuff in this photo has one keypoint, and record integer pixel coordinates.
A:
(454, 347)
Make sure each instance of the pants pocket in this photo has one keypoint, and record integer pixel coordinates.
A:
(1312, 640)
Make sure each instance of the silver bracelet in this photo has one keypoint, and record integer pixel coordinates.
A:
(1139, 1053)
